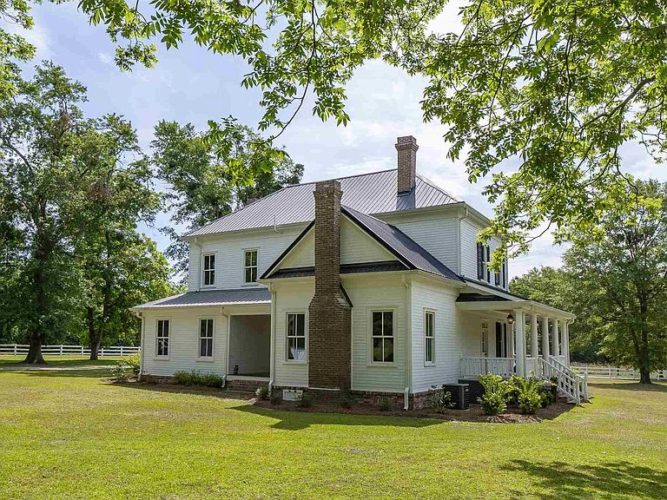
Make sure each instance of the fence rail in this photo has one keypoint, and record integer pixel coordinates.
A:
(615, 372)
(61, 350)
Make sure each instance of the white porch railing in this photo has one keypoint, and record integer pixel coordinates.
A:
(61, 350)
(476, 366)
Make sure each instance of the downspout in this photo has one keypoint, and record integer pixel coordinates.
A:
(408, 344)
(272, 367)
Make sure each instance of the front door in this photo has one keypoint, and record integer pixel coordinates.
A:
(501, 340)
(484, 347)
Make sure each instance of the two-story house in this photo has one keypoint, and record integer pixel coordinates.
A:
(373, 283)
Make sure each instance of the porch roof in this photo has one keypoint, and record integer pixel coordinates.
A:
(211, 298)
(506, 305)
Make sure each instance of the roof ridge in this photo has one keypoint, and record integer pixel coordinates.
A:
(340, 178)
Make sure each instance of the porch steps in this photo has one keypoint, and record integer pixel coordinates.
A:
(240, 383)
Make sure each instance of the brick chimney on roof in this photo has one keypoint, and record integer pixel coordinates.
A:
(406, 147)
(330, 319)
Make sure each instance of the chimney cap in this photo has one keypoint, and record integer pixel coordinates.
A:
(406, 142)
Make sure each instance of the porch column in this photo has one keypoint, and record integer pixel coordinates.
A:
(545, 337)
(533, 336)
(554, 339)
(566, 342)
(519, 332)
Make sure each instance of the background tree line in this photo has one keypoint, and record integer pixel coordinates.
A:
(73, 191)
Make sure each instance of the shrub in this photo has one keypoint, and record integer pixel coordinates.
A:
(496, 391)
(196, 378)
(119, 372)
(548, 393)
(276, 399)
(441, 400)
(134, 363)
(513, 389)
(385, 404)
(262, 392)
(529, 397)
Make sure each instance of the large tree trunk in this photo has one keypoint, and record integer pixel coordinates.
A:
(644, 375)
(34, 356)
(94, 338)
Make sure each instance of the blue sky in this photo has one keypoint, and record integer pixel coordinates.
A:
(192, 85)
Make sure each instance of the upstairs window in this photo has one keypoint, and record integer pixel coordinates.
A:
(162, 340)
(206, 338)
(209, 269)
(250, 266)
(383, 336)
(429, 337)
(296, 337)
(483, 259)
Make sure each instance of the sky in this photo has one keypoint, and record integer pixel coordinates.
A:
(193, 85)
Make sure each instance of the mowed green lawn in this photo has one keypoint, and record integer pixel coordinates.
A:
(72, 434)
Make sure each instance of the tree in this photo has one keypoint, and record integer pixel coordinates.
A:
(14, 49)
(121, 268)
(554, 88)
(620, 273)
(210, 174)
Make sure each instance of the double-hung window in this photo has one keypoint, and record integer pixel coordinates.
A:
(383, 336)
(162, 340)
(250, 266)
(429, 337)
(209, 269)
(296, 337)
(206, 338)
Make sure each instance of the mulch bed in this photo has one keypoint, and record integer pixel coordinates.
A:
(473, 414)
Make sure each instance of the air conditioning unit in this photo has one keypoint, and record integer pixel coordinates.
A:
(460, 395)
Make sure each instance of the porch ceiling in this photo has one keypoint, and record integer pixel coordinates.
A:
(528, 306)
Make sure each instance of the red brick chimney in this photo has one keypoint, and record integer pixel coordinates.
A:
(330, 324)
(407, 163)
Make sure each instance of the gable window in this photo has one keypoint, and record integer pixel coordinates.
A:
(209, 269)
(250, 266)
(296, 336)
(383, 336)
(206, 338)
(162, 339)
(429, 337)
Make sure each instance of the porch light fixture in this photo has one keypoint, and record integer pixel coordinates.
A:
(510, 319)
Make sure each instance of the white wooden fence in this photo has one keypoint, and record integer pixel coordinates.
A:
(60, 350)
(597, 371)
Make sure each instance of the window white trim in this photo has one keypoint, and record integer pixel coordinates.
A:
(158, 337)
(286, 359)
(429, 338)
(371, 337)
(244, 267)
(210, 270)
(199, 339)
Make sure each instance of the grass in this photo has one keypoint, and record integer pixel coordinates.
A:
(81, 437)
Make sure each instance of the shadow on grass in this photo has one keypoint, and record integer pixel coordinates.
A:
(630, 386)
(71, 373)
(564, 480)
(298, 420)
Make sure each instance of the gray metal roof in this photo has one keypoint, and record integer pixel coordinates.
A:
(401, 245)
(213, 298)
(372, 193)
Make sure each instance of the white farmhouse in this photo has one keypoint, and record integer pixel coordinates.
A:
(374, 283)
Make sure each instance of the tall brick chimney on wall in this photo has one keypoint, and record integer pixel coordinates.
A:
(330, 323)
(407, 163)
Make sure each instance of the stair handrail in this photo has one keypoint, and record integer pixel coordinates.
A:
(581, 380)
(565, 381)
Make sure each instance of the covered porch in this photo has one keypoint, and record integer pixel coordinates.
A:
(518, 337)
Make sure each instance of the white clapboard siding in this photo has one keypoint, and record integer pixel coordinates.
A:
(448, 337)
(357, 246)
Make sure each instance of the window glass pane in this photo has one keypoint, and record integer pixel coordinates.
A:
(377, 324)
(301, 322)
(388, 350)
(248, 275)
(377, 350)
(290, 324)
(388, 323)
(247, 259)
(202, 328)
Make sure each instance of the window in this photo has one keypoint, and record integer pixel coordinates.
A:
(480, 261)
(206, 338)
(209, 269)
(250, 266)
(383, 336)
(486, 264)
(429, 337)
(296, 337)
(162, 337)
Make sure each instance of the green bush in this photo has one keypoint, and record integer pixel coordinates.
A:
(496, 393)
(385, 404)
(441, 400)
(262, 392)
(548, 393)
(529, 397)
(514, 387)
(196, 378)
(134, 362)
(119, 372)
